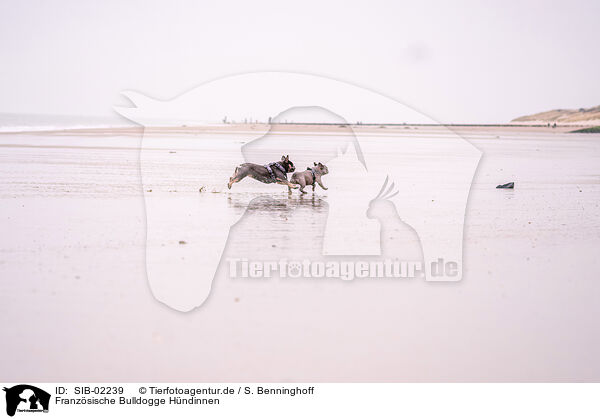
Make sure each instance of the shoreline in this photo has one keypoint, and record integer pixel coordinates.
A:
(297, 127)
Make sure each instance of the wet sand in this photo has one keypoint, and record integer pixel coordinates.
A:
(76, 300)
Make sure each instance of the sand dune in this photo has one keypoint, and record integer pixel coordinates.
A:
(581, 116)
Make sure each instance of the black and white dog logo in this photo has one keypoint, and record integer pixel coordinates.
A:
(26, 398)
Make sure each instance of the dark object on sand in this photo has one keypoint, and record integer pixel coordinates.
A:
(509, 185)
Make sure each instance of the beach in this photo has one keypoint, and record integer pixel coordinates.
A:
(77, 305)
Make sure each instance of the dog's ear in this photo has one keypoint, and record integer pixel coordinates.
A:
(314, 164)
(283, 158)
(287, 157)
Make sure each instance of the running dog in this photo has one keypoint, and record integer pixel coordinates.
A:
(275, 172)
(311, 176)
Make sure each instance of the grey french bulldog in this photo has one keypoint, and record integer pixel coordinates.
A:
(275, 172)
(311, 176)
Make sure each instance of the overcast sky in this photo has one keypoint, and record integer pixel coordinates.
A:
(459, 61)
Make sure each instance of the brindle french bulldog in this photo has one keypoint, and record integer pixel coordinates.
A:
(275, 172)
(311, 176)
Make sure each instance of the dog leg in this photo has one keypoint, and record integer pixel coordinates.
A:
(231, 179)
(302, 183)
(289, 185)
(237, 176)
(321, 184)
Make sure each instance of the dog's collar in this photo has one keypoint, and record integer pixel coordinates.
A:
(279, 166)
(314, 175)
